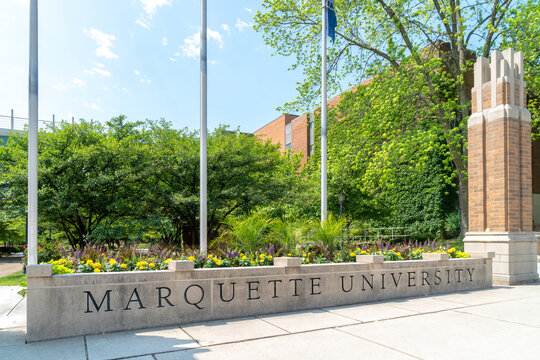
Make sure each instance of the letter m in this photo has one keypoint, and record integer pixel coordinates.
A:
(89, 298)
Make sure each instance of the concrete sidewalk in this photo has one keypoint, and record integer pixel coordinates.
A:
(497, 323)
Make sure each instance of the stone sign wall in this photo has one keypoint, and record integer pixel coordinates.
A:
(79, 304)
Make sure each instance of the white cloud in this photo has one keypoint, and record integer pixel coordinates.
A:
(75, 82)
(78, 82)
(248, 10)
(147, 81)
(164, 41)
(103, 41)
(144, 23)
(98, 69)
(137, 72)
(192, 44)
(241, 25)
(226, 28)
(151, 6)
(172, 59)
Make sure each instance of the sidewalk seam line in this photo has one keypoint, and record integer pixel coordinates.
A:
(85, 347)
(274, 325)
(376, 343)
(502, 320)
(188, 334)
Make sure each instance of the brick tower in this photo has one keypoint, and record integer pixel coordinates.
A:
(500, 179)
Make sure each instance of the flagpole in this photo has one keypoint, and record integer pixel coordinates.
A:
(324, 195)
(33, 136)
(203, 142)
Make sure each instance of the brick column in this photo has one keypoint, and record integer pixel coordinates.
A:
(500, 170)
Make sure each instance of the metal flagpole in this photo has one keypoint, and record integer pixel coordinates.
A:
(324, 209)
(33, 136)
(203, 170)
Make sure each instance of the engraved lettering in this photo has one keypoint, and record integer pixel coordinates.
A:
(470, 271)
(382, 280)
(396, 282)
(315, 285)
(250, 289)
(365, 280)
(194, 303)
(343, 285)
(459, 271)
(221, 292)
(448, 274)
(161, 297)
(137, 299)
(425, 278)
(295, 286)
(96, 306)
(437, 277)
(412, 278)
(275, 287)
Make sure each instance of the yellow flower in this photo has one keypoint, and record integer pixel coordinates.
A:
(141, 268)
(191, 258)
(152, 265)
(307, 259)
(352, 254)
(82, 262)
(244, 257)
(269, 256)
(218, 262)
(112, 262)
(97, 270)
(451, 250)
(241, 254)
(89, 262)
(124, 266)
(358, 249)
(169, 259)
(97, 265)
(309, 253)
(70, 261)
(289, 254)
(261, 256)
(398, 253)
(363, 252)
(253, 262)
(209, 256)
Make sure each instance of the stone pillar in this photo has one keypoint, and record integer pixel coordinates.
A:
(500, 170)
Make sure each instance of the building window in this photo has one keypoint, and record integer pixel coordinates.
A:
(288, 135)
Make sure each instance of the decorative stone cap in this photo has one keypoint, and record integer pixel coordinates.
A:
(435, 256)
(42, 270)
(370, 259)
(482, 254)
(181, 265)
(287, 261)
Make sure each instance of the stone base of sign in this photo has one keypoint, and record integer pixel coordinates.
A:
(515, 260)
(80, 304)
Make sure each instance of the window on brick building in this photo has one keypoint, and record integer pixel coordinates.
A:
(288, 136)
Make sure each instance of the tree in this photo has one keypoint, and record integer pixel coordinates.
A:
(243, 172)
(90, 179)
(436, 40)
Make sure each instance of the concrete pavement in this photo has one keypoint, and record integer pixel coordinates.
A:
(10, 264)
(496, 323)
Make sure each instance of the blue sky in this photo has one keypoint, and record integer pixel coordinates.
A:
(102, 58)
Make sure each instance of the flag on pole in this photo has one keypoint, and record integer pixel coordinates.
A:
(331, 19)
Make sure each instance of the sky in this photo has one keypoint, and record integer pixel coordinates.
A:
(140, 58)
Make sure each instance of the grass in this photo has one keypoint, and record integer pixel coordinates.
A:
(15, 279)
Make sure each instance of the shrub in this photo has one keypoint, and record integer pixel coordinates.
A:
(247, 232)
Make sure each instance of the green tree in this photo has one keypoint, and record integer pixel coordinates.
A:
(243, 173)
(90, 179)
(429, 45)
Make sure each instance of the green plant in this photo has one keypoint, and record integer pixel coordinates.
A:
(289, 234)
(325, 233)
(247, 232)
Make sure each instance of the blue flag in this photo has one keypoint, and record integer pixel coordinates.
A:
(331, 19)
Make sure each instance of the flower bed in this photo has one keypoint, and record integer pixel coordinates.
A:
(100, 259)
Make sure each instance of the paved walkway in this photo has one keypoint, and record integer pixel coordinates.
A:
(10, 264)
(496, 323)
